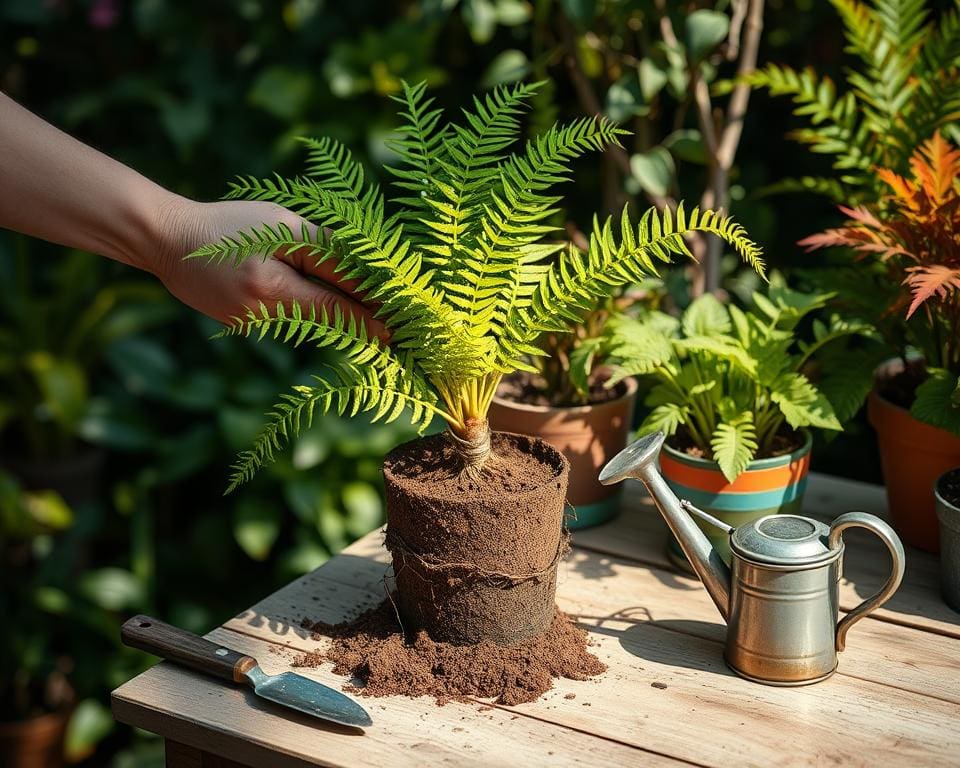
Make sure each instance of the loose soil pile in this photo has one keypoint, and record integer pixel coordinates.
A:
(373, 649)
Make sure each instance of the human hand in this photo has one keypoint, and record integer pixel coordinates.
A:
(224, 291)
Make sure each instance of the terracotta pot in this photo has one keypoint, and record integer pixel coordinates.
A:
(34, 743)
(588, 435)
(767, 487)
(913, 455)
(948, 512)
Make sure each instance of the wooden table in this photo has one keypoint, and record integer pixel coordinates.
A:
(666, 699)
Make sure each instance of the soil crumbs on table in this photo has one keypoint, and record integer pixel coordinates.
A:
(373, 649)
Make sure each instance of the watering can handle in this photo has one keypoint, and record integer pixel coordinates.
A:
(875, 525)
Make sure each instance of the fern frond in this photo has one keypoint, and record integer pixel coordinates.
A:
(575, 283)
(419, 147)
(472, 154)
(906, 88)
(262, 242)
(734, 445)
(385, 390)
(503, 264)
(332, 166)
(373, 248)
(318, 328)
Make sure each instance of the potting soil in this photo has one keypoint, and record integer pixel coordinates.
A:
(374, 650)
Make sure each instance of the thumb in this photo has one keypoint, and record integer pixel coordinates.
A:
(293, 286)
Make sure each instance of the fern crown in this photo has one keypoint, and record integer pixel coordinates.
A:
(459, 265)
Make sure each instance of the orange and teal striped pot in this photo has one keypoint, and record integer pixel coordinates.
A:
(767, 487)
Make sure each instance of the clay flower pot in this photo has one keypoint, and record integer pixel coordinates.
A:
(913, 455)
(946, 494)
(767, 487)
(34, 743)
(589, 436)
(476, 560)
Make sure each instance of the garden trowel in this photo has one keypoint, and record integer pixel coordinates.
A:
(291, 690)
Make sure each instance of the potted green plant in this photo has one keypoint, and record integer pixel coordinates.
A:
(461, 276)
(946, 494)
(910, 244)
(737, 393)
(55, 326)
(901, 85)
(566, 404)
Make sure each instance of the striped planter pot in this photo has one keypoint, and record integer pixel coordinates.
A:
(766, 487)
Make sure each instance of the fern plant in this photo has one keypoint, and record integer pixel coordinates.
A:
(905, 86)
(459, 265)
(735, 384)
(913, 236)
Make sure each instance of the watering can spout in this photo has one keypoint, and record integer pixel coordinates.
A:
(639, 461)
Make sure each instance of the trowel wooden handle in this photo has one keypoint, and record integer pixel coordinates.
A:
(185, 648)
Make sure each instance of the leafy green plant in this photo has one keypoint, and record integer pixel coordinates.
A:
(913, 238)
(54, 329)
(735, 385)
(459, 270)
(569, 373)
(905, 86)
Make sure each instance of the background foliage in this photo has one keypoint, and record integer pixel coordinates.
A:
(192, 94)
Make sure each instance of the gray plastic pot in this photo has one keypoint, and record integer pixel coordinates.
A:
(948, 514)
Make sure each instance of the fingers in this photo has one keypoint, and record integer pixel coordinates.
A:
(290, 286)
(303, 261)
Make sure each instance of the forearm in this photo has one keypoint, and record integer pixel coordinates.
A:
(58, 189)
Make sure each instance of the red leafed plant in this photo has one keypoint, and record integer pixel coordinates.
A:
(914, 234)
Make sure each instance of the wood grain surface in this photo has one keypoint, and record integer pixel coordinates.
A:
(666, 699)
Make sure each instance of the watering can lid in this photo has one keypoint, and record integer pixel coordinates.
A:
(783, 540)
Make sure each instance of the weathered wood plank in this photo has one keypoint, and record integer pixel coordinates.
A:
(653, 634)
(230, 721)
(640, 534)
(909, 658)
(181, 756)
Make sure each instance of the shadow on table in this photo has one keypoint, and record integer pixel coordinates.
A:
(338, 591)
(867, 566)
(598, 566)
(674, 642)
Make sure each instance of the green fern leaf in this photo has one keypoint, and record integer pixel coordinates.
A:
(938, 401)
(665, 418)
(802, 404)
(734, 444)
(706, 316)
(575, 283)
(385, 390)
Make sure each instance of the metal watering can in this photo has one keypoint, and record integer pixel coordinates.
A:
(779, 596)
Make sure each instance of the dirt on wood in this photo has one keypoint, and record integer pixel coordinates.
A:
(375, 651)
